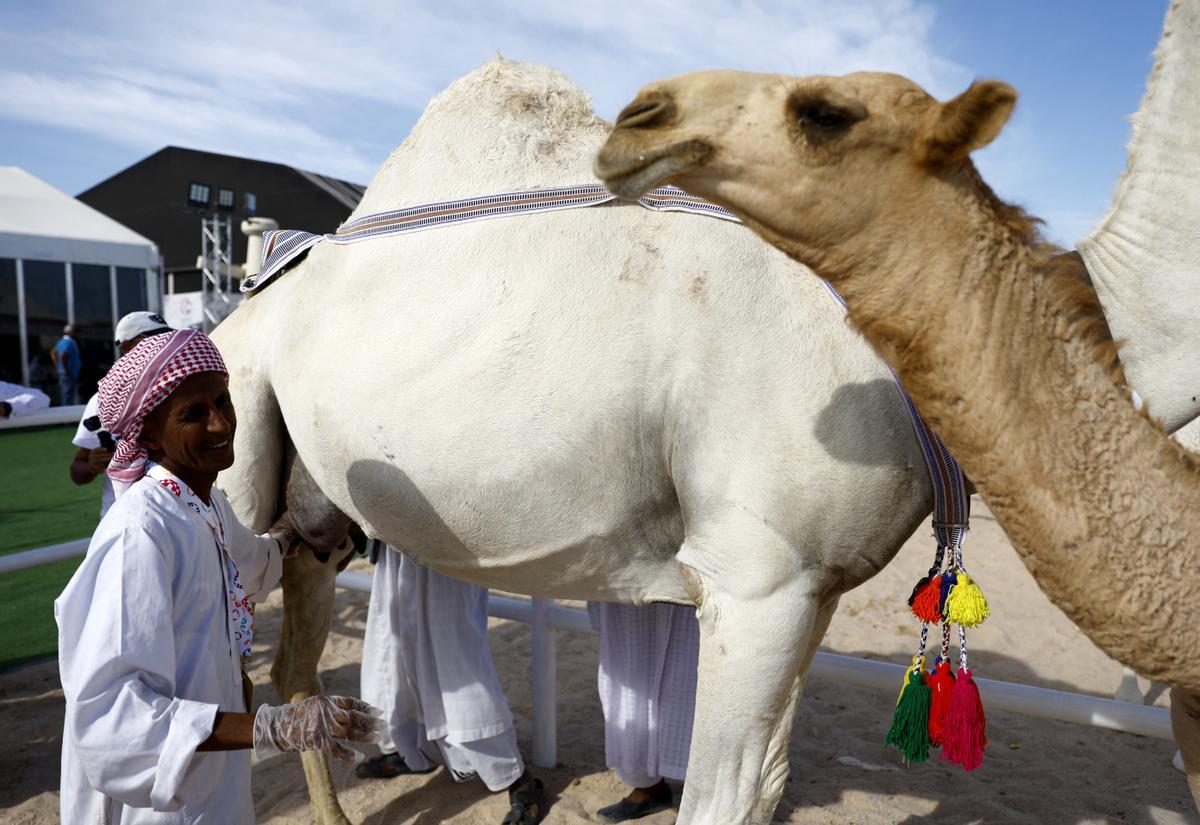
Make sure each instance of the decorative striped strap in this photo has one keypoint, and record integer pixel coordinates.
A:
(281, 247)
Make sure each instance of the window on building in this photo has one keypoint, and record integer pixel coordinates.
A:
(251, 203)
(225, 198)
(131, 290)
(92, 293)
(45, 315)
(198, 194)
(10, 341)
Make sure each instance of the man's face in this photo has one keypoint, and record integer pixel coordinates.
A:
(126, 346)
(191, 432)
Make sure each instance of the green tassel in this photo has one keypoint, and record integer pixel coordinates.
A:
(910, 723)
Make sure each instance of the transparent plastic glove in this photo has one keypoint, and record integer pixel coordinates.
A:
(316, 724)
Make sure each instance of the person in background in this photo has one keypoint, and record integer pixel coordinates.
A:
(18, 400)
(67, 364)
(94, 446)
(647, 684)
(155, 627)
(426, 663)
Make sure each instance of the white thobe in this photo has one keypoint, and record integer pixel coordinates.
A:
(647, 683)
(147, 657)
(427, 665)
(88, 440)
(24, 400)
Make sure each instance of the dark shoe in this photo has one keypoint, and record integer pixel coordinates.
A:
(386, 766)
(660, 799)
(525, 805)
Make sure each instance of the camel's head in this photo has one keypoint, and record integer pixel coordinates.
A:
(810, 163)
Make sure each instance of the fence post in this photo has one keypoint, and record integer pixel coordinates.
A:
(545, 699)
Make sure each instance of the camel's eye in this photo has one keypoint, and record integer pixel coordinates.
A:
(821, 118)
(824, 117)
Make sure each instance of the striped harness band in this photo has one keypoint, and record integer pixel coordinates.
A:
(935, 708)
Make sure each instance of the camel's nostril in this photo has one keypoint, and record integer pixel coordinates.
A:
(646, 112)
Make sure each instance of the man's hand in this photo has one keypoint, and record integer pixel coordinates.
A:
(318, 723)
(98, 460)
(284, 530)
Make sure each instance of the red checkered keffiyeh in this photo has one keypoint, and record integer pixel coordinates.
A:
(139, 382)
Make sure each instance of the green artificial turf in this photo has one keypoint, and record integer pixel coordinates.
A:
(39, 506)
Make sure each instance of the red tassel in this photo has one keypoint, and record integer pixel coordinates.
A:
(927, 602)
(941, 682)
(965, 734)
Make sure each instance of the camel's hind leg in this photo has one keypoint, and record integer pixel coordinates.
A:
(758, 627)
(1185, 723)
(308, 591)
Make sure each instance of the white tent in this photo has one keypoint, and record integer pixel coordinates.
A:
(62, 261)
(40, 222)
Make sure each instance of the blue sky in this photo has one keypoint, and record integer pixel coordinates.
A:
(88, 88)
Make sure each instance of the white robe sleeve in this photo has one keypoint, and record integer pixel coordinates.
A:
(259, 559)
(24, 400)
(135, 739)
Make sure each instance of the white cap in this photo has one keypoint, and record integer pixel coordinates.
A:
(140, 323)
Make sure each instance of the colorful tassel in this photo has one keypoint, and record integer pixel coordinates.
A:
(966, 726)
(927, 604)
(917, 588)
(949, 579)
(910, 723)
(941, 684)
(966, 605)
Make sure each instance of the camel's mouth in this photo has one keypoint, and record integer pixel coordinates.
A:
(629, 172)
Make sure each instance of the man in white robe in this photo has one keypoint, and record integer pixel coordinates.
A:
(427, 664)
(155, 626)
(647, 683)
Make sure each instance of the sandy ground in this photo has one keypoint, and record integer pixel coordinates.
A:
(1035, 772)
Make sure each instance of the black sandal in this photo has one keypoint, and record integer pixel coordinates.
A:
(660, 799)
(387, 766)
(520, 801)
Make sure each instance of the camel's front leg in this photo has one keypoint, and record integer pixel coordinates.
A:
(758, 627)
(308, 591)
(1185, 723)
(775, 769)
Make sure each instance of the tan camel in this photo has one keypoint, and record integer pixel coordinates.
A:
(867, 180)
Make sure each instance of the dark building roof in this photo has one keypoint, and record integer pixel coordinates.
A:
(165, 195)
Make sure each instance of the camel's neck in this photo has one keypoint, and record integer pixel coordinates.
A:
(1142, 254)
(1101, 506)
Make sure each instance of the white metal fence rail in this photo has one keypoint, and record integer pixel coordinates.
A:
(547, 618)
(42, 418)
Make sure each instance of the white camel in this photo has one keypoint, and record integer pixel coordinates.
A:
(564, 408)
(1142, 254)
(603, 403)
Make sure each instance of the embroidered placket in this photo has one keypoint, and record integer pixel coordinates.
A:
(241, 609)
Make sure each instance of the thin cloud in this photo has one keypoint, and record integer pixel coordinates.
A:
(316, 85)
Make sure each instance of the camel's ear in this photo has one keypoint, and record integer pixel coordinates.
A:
(970, 121)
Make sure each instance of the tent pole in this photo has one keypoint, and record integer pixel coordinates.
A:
(22, 325)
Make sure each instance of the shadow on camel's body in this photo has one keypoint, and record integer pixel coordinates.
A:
(602, 403)
(998, 345)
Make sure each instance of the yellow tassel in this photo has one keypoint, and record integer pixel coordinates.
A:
(965, 605)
